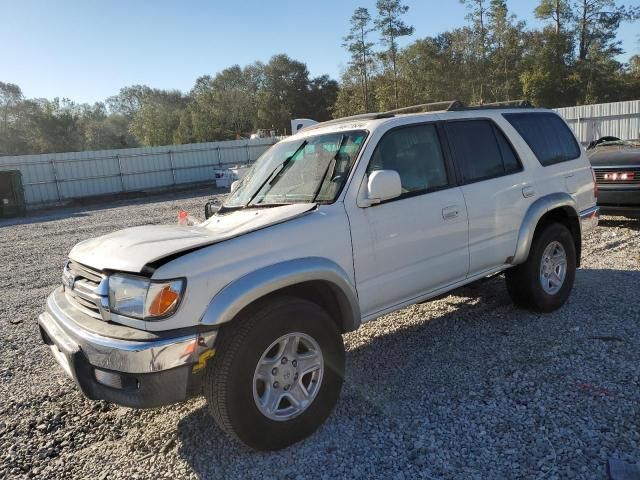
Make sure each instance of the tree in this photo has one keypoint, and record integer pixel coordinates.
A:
(129, 100)
(597, 24)
(10, 98)
(391, 27)
(360, 49)
(478, 41)
(158, 117)
(558, 11)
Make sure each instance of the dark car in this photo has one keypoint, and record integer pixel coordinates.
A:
(616, 164)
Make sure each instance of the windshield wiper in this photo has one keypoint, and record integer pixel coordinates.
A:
(274, 173)
(331, 167)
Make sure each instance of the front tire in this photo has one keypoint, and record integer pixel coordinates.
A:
(543, 283)
(277, 373)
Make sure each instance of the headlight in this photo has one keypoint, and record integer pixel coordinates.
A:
(142, 298)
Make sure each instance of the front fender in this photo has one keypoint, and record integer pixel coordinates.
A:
(240, 293)
(535, 212)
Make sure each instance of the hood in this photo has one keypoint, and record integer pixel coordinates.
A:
(623, 155)
(129, 250)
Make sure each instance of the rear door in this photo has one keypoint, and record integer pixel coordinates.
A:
(564, 164)
(496, 189)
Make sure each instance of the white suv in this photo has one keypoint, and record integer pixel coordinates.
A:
(339, 224)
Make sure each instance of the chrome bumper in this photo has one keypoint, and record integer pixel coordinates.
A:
(589, 218)
(149, 370)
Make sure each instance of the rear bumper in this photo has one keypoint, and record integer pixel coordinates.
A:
(137, 372)
(589, 218)
(619, 201)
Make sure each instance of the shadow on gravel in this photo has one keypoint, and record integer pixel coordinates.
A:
(620, 222)
(81, 207)
(428, 363)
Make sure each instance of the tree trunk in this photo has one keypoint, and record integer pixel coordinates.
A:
(364, 71)
(583, 32)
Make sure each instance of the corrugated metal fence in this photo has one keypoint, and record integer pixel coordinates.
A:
(590, 122)
(58, 177)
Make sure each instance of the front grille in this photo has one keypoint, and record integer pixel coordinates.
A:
(84, 287)
(603, 171)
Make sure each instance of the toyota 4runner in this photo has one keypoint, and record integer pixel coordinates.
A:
(339, 224)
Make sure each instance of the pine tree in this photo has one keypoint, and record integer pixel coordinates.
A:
(361, 49)
(391, 26)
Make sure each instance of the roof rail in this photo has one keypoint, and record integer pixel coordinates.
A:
(459, 106)
(451, 106)
(422, 106)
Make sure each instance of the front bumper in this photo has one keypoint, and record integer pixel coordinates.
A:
(121, 364)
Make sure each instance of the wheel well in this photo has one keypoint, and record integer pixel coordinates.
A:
(324, 294)
(568, 217)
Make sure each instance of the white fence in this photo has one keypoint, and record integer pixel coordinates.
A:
(57, 177)
(590, 122)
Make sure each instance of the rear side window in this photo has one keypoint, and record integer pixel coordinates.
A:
(480, 150)
(547, 135)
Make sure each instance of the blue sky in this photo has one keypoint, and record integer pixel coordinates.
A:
(87, 49)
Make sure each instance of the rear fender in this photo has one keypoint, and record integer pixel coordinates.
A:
(531, 219)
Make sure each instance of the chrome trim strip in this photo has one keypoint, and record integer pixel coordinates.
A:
(121, 355)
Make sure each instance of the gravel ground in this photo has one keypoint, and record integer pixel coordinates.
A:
(466, 386)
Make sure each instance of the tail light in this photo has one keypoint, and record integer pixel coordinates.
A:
(619, 176)
(595, 185)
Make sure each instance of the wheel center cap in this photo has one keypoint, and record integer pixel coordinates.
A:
(285, 374)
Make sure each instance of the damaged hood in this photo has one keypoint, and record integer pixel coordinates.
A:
(129, 250)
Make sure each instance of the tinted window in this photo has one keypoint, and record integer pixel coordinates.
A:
(547, 135)
(511, 162)
(476, 150)
(415, 153)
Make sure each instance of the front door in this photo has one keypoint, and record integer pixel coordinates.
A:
(416, 243)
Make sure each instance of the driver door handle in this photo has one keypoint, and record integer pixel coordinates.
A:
(450, 212)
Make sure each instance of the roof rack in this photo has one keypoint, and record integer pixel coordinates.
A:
(451, 106)
(459, 106)
(424, 106)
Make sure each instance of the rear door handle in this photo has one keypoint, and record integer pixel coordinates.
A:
(450, 212)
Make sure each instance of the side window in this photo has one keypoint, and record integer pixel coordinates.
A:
(475, 149)
(511, 162)
(415, 153)
(547, 135)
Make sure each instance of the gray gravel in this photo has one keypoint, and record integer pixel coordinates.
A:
(463, 387)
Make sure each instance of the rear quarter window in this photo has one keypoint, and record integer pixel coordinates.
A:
(547, 135)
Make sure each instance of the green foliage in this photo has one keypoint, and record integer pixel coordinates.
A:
(361, 50)
(390, 25)
(570, 60)
(229, 105)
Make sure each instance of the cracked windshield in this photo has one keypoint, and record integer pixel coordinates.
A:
(307, 170)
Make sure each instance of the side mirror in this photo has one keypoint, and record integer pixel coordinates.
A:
(383, 185)
(235, 185)
(211, 207)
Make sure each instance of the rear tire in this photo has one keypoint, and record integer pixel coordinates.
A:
(543, 283)
(254, 353)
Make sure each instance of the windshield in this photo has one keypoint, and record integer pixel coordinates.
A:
(311, 169)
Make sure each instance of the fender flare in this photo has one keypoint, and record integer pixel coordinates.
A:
(235, 296)
(535, 212)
